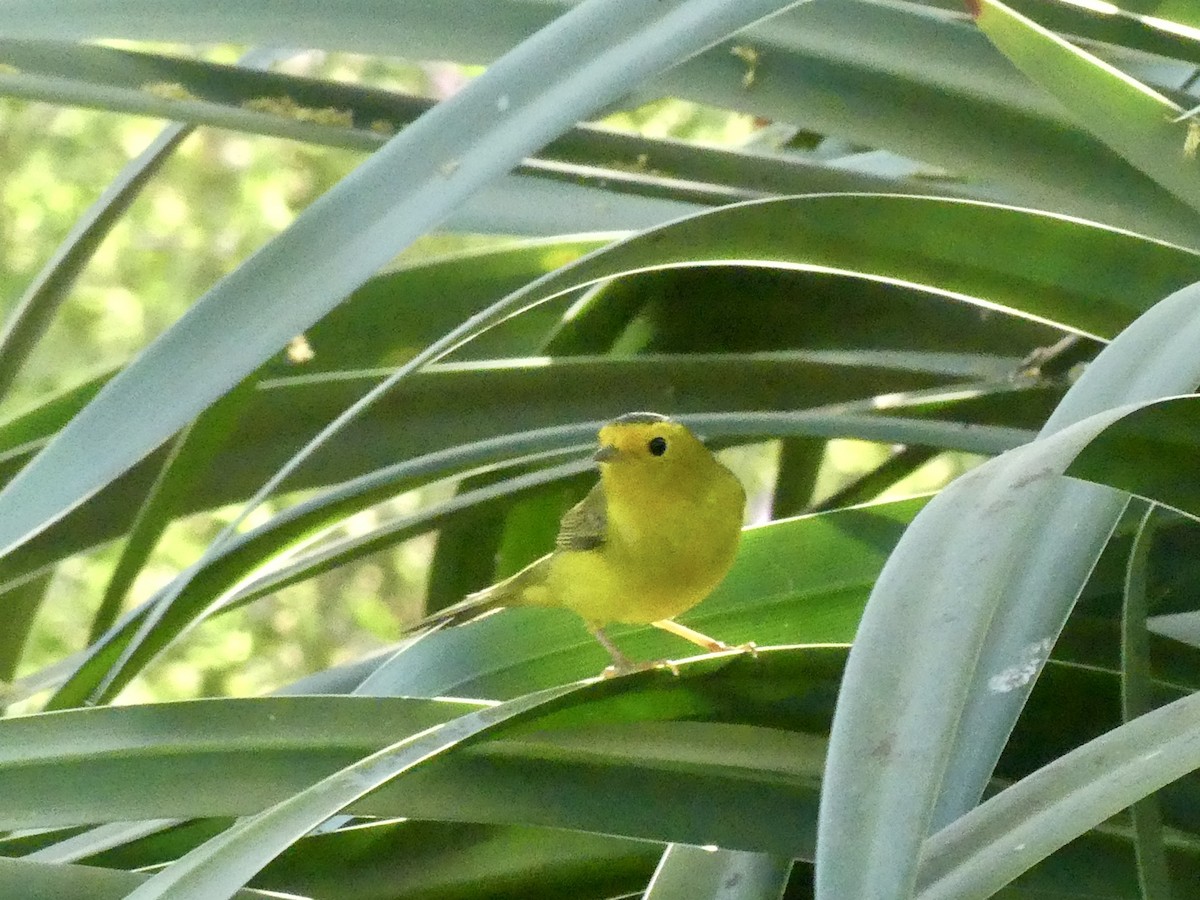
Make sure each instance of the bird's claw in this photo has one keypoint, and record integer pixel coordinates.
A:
(629, 668)
(722, 647)
(748, 647)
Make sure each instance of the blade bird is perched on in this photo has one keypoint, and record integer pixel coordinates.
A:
(649, 541)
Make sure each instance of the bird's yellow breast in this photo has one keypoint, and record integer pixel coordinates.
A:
(662, 554)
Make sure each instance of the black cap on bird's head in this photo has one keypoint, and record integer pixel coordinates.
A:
(639, 418)
(642, 436)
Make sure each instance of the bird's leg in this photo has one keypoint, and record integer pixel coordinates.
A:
(622, 664)
(701, 640)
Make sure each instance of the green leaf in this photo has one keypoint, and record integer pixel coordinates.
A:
(457, 861)
(923, 85)
(1137, 121)
(885, 769)
(364, 330)
(989, 846)
(799, 463)
(1156, 349)
(47, 881)
(1147, 454)
(226, 862)
(706, 728)
(919, 83)
(896, 467)
(93, 842)
(191, 455)
(929, 243)
(33, 312)
(250, 844)
(1164, 10)
(21, 605)
(694, 872)
(648, 740)
(1116, 29)
(361, 27)
(447, 860)
(1136, 700)
(339, 114)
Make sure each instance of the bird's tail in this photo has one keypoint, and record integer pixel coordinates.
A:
(512, 591)
(466, 610)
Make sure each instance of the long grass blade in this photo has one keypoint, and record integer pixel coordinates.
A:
(1137, 700)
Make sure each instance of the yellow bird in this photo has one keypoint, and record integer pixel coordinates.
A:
(649, 541)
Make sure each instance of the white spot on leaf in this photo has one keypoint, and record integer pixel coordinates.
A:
(1023, 672)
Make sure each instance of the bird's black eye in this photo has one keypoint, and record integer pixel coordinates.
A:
(657, 446)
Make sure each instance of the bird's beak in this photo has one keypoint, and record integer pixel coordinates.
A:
(606, 453)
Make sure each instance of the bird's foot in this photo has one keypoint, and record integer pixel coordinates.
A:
(628, 667)
(721, 647)
(711, 644)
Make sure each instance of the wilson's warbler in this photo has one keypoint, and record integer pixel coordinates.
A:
(649, 541)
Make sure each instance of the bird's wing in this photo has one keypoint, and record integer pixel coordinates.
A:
(585, 524)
